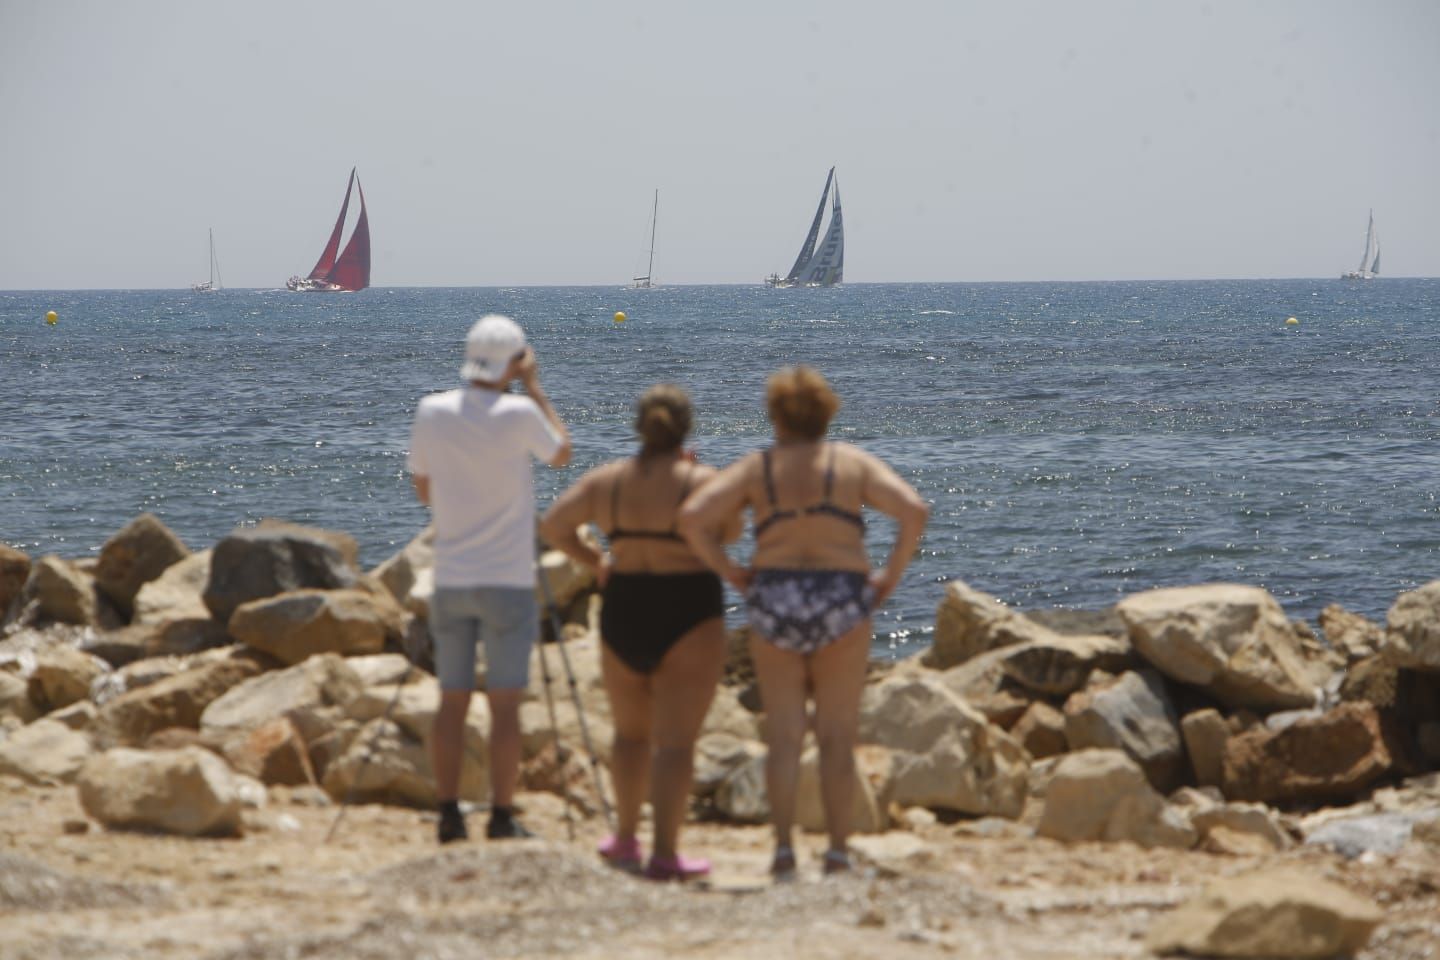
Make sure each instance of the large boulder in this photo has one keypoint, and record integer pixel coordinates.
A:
(1102, 795)
(867, 808)
(251, 564)
(62, 676)
(402, 569)
(388, 761)
(15, 699)
(178, 699)
(45, 752)
(1412, 629)
(1251, 828)
(58, 591)
(1331, 756)
(565, 579)
(189, 791)
(947, 755)
(14, 571)
(969, 622)
(982, 682)
(272, 753)
(1232, 640)
(1350, 633)
(1205, 733)
(295, 626)
(1058, 665)
(1278, 912)
(742, 796)
(177, 593)
(134, 556)
(312, 694)
(1131, 714)
(1041, 731)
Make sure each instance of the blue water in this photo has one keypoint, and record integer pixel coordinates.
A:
(1078, 441)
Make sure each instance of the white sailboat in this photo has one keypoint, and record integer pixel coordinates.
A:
(647, 282)
(214, 283)
(826, 267)
(1370, 259)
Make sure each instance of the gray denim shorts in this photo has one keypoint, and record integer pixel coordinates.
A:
(505, 619)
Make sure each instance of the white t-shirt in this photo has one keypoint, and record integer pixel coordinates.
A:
(476, 446)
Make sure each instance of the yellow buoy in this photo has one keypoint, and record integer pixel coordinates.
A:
(1291, 322)
(52, 318)
(619, 316)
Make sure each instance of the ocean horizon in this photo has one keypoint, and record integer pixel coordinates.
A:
(1078, 440)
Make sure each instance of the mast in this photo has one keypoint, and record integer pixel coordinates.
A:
(212, 256)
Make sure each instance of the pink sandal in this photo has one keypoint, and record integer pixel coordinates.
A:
(623, 854)
(676, 868)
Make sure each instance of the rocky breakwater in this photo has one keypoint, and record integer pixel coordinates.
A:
(197, 687)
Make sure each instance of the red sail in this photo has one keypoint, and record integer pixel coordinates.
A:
(327, 259)
(352, 270)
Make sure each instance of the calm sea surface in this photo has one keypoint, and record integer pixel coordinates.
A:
(1077, 441)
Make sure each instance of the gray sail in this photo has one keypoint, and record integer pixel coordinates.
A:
(1375, 266)
(807, 250)
(1370, 259)
(828, 266)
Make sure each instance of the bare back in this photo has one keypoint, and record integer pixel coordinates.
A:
(806, 499)
(637, 501)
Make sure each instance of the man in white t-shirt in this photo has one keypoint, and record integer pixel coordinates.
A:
(470, 456)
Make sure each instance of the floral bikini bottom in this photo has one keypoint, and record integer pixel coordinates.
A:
(804, 610)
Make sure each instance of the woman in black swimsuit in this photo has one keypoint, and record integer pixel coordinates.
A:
(661, 625)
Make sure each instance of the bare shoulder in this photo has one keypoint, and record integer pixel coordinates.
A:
(847, 452)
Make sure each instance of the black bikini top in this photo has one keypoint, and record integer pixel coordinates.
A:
(824, 506)
(620, 533)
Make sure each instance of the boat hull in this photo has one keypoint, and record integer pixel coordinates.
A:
(307, 285)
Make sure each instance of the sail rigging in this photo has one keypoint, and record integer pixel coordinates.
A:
(826, 267)
(1369, 260)
(646, 282)
(214, 283)
(342, 270)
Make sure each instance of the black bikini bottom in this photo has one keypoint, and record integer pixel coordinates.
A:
(645, 614)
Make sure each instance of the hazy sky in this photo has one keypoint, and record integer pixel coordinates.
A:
(520, 143)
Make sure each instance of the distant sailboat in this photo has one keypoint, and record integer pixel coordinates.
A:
(1370, 259)
(351, 269)
(827, 267)
(214, 283)
(646, 282)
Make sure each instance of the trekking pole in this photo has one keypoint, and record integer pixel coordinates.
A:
(555, 731)
(555, 625)
(369, 753)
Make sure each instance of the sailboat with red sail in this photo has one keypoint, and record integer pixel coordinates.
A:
(338, 270)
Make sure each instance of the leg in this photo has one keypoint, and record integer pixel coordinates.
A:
(781, 675)
(837, 676)
(454, 633)
(629, 694)
(504, 745)
(684, 686)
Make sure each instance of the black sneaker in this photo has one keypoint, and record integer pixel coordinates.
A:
(452, 825)
(504, 826)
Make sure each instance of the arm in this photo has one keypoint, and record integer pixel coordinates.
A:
(422, 488)
(560, 527)
(709, 512)
(529, 373)
(884, 490)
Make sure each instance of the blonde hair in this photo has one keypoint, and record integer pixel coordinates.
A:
(800, 401)
(663, 416)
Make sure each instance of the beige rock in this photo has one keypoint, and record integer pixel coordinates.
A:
(80, 715)
(384, 668)
(46, 751)
(62, 676)
(1133, 714)
(566, 579)
(61, 592)
(310, 693)
(188, 791)
(176, 594)
(386, 764)
(399, 572)
(1205, 733)
(535, 726)
(894, 854)
(1412, 629)
(867, 812)
(15, 698)
(717, 755)
(969, 622)
(1257, 824)
(1334, 755)
(177, 700)
(742, 796)
(1229, 639)
(1059, 665)
(303, 623)
(272, 753)
(14, 571)
(728, 715)
(1280, 913)
(138, 553)
(948, 755)
(1103, 795)
(1041, 731)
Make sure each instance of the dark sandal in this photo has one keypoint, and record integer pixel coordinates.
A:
(782, 867)
(837, 861)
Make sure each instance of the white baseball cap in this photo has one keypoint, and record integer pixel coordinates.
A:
(490, 346)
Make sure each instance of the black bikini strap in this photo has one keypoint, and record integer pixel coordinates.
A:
(769, 479)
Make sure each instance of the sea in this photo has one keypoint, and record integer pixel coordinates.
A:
(1077, 442)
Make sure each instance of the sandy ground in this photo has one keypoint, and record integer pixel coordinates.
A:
(382, 889)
